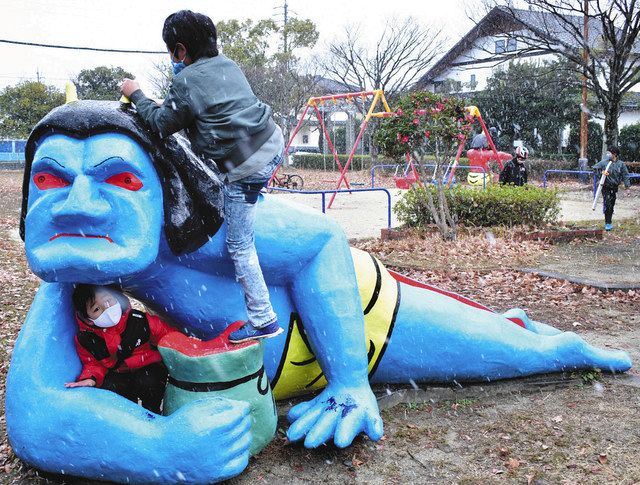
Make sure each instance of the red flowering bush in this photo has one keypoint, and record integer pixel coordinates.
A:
(426, 120)
(422, 120)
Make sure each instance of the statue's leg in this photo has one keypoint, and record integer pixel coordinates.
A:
(439, 338)
(98, 434)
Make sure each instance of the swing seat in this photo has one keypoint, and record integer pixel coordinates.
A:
(404, 182)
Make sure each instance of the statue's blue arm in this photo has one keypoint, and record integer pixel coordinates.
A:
(52, 427)
(325, 293)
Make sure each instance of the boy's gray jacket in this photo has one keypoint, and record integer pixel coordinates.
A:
(618, 173)
(213, 102)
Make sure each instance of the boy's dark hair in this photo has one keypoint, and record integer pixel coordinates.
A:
(194, 30)
(614, 150)
(83, 294)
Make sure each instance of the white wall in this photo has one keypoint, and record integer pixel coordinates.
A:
(483, 49)
(628, 118)
(312, 132)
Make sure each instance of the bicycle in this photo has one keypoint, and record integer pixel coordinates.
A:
(288, 181)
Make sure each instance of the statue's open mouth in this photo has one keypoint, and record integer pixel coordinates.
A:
(80, 235)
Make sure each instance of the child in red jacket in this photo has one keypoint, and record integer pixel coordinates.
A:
(117, 346)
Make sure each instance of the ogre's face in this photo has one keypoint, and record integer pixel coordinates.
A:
(95, 209)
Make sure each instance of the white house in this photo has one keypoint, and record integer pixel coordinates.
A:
(491, 44)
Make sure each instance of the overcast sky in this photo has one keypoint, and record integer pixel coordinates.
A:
(137, 25)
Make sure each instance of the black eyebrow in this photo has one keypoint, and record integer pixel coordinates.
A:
(106, 160)
(53, 160)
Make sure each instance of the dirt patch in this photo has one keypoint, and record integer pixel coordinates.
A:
(614, 260)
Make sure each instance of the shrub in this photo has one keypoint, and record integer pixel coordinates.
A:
(318, 161)
(629, 141)
(498, 205)
(537, 166)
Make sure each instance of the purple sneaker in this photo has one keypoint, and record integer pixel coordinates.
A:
(248, 332)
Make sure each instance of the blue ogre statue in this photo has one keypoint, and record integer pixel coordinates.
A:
(107, 202)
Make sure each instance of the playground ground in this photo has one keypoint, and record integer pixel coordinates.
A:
(363, 214)
(577, 428)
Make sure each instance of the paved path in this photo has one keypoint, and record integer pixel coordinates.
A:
(576, 206)
(360, 214)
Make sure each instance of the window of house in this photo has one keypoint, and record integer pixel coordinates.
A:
(500, 46)
(305, 139)
(511, 45)
(473, 81)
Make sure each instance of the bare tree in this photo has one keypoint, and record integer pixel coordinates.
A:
(161, 78)
(613, 45)
(400, 56)
(404, 50)
(285, 84)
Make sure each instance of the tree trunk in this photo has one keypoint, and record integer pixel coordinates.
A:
(440, 211)
(610, 132)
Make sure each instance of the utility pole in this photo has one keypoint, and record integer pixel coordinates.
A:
(584, 117)
(285, 9)
(284, 31)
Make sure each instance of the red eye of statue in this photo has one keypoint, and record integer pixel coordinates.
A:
(44, 181)
(126, 180)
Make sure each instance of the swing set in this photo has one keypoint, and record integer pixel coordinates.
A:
(478, 159)
(375, 97)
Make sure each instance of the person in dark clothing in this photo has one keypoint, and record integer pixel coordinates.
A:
(616, 174)
(117, 346)
(210, 98)
(515, 171)
(480, 142)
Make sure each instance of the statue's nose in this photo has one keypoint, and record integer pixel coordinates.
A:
(83, 203)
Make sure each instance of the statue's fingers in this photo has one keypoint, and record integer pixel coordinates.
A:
(234, 467)
(348, 428)
(374, 427)
(239, 447)
(242, 429)
(299, 409)
(322, 430)
(302, 425)
(222, 415)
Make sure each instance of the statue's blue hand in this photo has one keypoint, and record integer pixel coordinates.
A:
(339, 412)
(212, 430)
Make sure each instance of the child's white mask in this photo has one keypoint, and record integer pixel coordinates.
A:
(110, 317)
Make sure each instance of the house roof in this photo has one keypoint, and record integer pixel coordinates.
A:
(329, 86)
(502, 20)
(630, 101)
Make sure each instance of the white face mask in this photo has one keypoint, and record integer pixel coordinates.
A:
(110, 317)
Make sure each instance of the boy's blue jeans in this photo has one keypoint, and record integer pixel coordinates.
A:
(239, 211)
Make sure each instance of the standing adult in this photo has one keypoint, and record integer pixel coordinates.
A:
(616, 174)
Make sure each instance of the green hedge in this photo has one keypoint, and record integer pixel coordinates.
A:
(536, 167)
(498, 205)
(360, 162)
